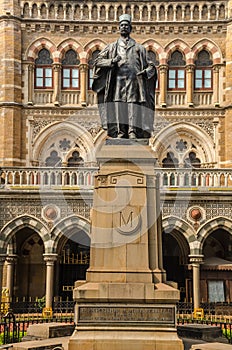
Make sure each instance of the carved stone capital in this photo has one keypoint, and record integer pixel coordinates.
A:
(163, 68)
(196, 259)
(31, 67)
(50, 258)
(11, 259)
(56, 67)
(216, 68)
(190, 68)
(83, 67)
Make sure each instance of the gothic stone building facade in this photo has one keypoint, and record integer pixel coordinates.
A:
(50, 131)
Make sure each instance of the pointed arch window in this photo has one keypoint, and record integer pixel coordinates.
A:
(75, 160)
(176, 71)
(192, 161)
(43, 70)
(203, 79)
(170, 161)
(90, 63)
(70, 71)
(53, 160)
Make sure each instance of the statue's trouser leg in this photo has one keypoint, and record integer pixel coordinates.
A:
(122, 119)
(112, 127)
(133, 118)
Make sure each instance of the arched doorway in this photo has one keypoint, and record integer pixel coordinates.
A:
(216, 271)
(74, 252)
(30, 267)
(175, 261)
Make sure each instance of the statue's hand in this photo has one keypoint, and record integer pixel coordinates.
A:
(116, 59)
(143, 73)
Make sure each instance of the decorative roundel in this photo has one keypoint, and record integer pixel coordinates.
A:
(51, 212)
(195, 214)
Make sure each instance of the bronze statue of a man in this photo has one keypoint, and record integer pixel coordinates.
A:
(125, 79)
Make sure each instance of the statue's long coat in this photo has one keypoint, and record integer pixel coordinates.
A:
(104, 81)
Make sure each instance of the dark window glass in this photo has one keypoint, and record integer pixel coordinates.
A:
(70, 70)
(176, 72)
(203, 78)
(43, 70)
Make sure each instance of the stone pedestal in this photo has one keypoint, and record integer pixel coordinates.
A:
(125, 303)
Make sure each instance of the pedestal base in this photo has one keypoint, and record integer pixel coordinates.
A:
(126, 324)
(125, 339)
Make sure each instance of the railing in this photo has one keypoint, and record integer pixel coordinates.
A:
(202, 98)
(195, 178)
(176, 98)
(150, 11)
(42, 178)
(74, 178)
(43, 97)
(12, 330)
(70, 97)
(212, 309)
(34, 306)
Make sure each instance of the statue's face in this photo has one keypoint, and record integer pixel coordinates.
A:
(125, 28)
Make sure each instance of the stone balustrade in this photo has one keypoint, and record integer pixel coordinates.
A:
(79, 178)
(110, 11)
(174, 98)
(37, 178)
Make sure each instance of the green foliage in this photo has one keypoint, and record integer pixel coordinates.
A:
(21, 335)
(227, 333)
(41, 302)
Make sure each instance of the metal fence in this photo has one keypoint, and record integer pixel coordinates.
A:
(35, 307)
(12, 330)
(223, 309)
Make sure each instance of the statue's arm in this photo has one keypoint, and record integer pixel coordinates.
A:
(150, 70)
(105, 59)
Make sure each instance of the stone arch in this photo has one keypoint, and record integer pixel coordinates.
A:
(42, 43)
(77, 134)
(62, 228)
(67, 45)
(152, 45)
(212, 225)
(173, 222)
(191, 132)
(43, 11)
(99, 140)
(211, 47)
(181, 232)
(92, 46)
(29, 221)
(181, 46)
(26, 12)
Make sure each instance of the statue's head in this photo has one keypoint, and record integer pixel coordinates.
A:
(125, 24)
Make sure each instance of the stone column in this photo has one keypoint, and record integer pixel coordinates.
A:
(49, 259)
(57, 84)
(195, 261)
(163, 85)
(30, 83)
(83, 84)
(154, 230)
(10, 260)
(216, 85)
(190, 72)
(2, 261)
